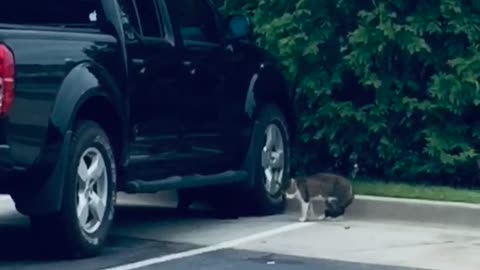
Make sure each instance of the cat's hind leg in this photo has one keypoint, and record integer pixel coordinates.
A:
(305, 209)
(321, 217)
(311, 211)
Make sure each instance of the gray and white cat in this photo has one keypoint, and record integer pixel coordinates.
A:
(334, 190)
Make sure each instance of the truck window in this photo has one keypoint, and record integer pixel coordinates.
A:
(79, 13)
(149, 18)
(131, 24)
(143, 16)
(196, 20)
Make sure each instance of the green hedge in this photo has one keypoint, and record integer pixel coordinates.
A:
(390, 85)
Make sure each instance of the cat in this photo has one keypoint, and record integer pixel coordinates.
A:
(334, 190)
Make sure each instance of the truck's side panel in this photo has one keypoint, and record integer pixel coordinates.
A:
(43, 61)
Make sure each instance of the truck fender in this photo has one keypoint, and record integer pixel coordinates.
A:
(84, 81)
(268, 85)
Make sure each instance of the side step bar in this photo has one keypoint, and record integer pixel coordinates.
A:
(191, 181)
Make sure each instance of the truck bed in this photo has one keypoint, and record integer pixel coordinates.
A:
(44, 57)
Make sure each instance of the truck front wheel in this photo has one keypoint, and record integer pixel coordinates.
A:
(80, 228)
(268, 161)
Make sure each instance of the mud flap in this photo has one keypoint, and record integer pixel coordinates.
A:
(46, 199)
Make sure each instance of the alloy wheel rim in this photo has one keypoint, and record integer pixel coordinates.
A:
(273, 159)
(92, 190)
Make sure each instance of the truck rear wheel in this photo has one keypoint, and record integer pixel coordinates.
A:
(268, 161)
(80, 228)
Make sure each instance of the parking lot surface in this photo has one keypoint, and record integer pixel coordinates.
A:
(149, 234)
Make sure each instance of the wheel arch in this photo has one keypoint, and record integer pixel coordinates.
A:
(90, 93)
(99, 109)
(269, 86)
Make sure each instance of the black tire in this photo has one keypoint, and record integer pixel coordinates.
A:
(63, 228)
(262, 202)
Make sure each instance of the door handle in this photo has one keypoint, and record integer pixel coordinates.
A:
(138, 61)
(229, 48)
(188, 64)
(139, 64)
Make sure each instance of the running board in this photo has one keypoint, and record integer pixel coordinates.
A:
(190, 181)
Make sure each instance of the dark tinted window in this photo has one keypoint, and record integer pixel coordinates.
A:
(143, 16)
(195, 18)
(50, 12)
(130, 20)
(149, 18)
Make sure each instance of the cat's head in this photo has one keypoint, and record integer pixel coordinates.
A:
(334, 213)
(333, 208)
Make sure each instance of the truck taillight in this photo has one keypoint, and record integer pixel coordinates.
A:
(7, 79)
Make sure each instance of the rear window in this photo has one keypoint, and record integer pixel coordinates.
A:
(82, 13)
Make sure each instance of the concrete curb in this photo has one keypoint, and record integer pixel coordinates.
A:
(364, 208)
(407, 210)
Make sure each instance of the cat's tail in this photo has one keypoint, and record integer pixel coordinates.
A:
(351, 198)
(344, 201)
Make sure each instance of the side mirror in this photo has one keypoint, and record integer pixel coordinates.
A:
(239, 27)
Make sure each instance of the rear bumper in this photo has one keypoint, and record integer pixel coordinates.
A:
(6, 160)
(5, 153)
(9, 174)
(16, 178)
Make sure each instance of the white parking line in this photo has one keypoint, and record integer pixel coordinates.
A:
(212, 248)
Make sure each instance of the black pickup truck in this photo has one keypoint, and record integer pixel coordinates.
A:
(102, 96)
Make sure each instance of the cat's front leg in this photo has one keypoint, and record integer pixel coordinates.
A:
(290, 196)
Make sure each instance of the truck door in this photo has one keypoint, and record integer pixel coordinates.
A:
(204, 60)
(153, 91)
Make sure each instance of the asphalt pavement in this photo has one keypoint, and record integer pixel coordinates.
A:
(241, 260)
(148, 234)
